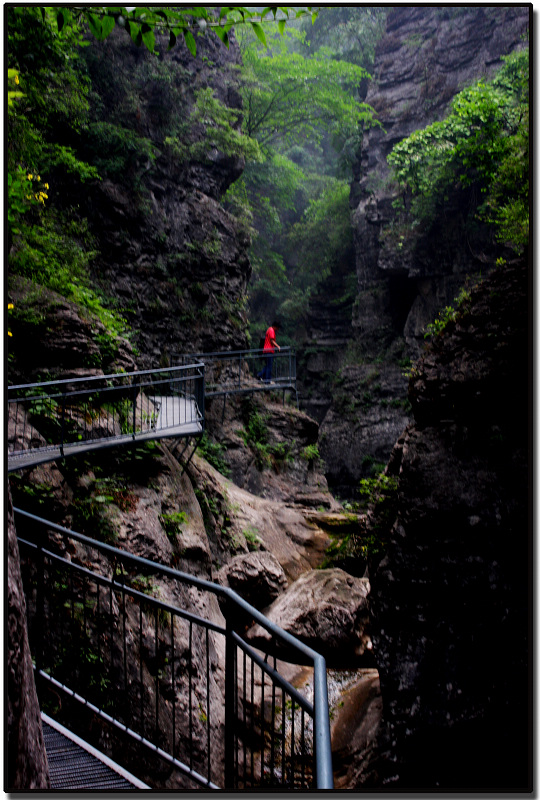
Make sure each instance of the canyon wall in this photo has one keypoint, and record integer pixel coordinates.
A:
(354, 383)
(175, 262)
(450, 600)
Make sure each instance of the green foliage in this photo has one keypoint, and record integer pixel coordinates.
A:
(291, 97)
(214, 453)
(448, 314)
(220, 126)
(256, 428)
(303, 106)
(172, 523)
(257, 436)
(91, 516)
(50, 247)
(142, 23)
(351, 32)
(25, 191)
(56, 254)
(483, 141)
(13, 82)
(375, 492)
(311, 453)
(323, 237)
(116, 150)
(253, 540)
(55, 87)
(36, 498)
(367, 545)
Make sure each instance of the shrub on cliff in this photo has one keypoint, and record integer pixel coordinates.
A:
(482, 144)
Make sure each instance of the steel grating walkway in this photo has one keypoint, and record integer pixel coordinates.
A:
(75, 765)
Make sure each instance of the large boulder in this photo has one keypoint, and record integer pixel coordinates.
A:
(327, 610)
(257, 577)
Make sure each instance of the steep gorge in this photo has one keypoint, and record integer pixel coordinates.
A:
(355, 385)
(177, 262)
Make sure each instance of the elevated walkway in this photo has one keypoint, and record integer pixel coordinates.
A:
(74, 765)
(52, 420)
(110, 651)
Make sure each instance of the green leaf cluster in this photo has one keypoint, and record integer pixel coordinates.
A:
(144, 23)
(322, 238)
(214, 453)
(350, 32)
(172, 523)
(482, 142)
(448, 314)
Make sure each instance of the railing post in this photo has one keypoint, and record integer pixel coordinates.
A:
(230, 692)
(200, 380)
(40, 609)
(63, 424)
(321, 734)
(134, 394)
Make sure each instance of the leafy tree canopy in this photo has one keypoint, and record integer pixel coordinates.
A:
(291, 97)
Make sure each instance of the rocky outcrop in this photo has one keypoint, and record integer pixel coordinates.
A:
(173, 260)
(327, 610)
(426, 56)
(369, 410)
(270, 448)
(53, 338)
(450, 600)
(257, 577)
(192, 519)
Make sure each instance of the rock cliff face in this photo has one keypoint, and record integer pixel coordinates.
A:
(450, 617)
(427, 55)
(173, 258)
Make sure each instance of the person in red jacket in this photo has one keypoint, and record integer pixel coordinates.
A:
(269, 349)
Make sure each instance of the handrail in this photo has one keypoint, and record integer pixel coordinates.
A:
(286, 349)
(110, 376)
(236, 611)
(230, 372)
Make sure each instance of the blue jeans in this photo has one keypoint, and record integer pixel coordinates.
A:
(266, 372)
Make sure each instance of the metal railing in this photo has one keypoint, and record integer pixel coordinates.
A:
(55, 419)
(187, 690)
(238, 371)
